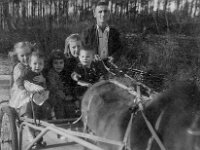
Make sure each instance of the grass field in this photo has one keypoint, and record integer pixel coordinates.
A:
(4, 65)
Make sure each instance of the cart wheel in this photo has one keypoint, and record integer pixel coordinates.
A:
(3, 103)
(8, 133)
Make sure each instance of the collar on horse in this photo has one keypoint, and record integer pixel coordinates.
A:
(137, 108)
(134, 110)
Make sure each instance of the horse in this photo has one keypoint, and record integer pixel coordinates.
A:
(106, 113)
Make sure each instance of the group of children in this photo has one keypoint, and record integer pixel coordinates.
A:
(52, 86)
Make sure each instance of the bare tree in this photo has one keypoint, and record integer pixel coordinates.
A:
(165, 13)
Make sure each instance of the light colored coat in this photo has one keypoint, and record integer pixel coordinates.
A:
(19, 96)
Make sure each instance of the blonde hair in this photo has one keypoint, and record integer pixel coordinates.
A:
(23, 45)
(71, 37)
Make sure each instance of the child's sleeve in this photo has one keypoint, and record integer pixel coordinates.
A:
(99, 72)
(44, 83)
(18, 77)
(31, 87)
(76, 74)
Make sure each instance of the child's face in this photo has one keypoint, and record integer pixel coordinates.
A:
(36, 64)
(86, 57)
(58, 65)
(101, 14)
(23, 55)
(74, 47)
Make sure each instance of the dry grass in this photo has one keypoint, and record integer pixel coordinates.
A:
(177, 56)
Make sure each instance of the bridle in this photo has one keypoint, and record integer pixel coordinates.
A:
(134, 110)
(139, 99)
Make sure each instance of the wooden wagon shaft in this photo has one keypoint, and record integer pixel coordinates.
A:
(85, 135)
(58, 130)
(75, 133)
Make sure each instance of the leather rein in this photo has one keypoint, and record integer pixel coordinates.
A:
(138, 101)
(134, 111)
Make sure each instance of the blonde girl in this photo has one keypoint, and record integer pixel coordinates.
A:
(20, 55)
(20, 97)
(72, 45)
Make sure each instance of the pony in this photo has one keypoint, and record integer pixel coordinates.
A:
(106, 112)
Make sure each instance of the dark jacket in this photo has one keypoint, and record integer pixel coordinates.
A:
(30, 77)
(71, 64)
(90, 37)
(88, 74)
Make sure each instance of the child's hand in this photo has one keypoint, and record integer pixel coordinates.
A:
(110, 59)
(75, 76)
(39, 79)
(97, 58)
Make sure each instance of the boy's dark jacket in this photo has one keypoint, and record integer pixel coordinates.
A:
(90, 37)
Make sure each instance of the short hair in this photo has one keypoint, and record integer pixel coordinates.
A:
(13, 54)
(24, 44)
(56, 54)
(102, 3)
(71, 37)
(88, 48)
(36, 54)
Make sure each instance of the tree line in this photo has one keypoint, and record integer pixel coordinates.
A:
(152, 15)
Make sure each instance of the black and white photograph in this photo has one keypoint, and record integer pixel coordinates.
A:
(100, 74)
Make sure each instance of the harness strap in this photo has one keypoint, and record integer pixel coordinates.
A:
(125, 75)
(129, 89)
(128, 131)
(149, 145)
(149, 125)
(153, 132)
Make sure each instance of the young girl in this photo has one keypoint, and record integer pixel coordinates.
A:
(38, 89)
(20, 97)
(72, 47)
(60, 96)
